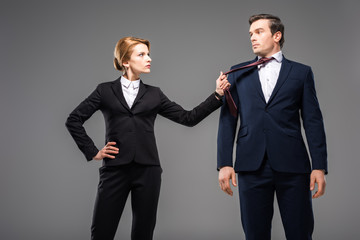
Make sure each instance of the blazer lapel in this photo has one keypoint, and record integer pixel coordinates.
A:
(284, 72)
(117, 89)
(142, 90)
(256, 83)
(255, 80)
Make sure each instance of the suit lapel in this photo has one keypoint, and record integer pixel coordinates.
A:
(284, 72)
(117, 89)
(142, 90)
(255, 80)
(256, 83)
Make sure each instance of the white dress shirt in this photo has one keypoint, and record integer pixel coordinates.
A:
(269, 73)
(130, 90)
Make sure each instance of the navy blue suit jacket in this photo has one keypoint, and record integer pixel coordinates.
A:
(273, 128)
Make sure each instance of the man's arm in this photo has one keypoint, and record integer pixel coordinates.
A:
(225, 143)
(315, 135)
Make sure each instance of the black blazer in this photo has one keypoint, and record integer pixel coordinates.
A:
(131, 129)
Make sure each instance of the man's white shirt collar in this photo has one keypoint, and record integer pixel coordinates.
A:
(278, 57)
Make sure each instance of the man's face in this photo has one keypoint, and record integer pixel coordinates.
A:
(264, 43)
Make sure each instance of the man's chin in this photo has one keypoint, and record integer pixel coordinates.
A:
(257, 52)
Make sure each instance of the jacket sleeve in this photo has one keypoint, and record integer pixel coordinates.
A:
(313, 124)
(76, 119)
(176, 113)
(227, 130)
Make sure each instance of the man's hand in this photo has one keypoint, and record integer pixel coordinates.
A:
(222, 84)
(225, 175)
(318, 177)
(106, 151)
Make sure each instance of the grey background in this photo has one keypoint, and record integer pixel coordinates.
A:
(54, 53)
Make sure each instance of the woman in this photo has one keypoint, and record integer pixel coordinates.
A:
(130, 159)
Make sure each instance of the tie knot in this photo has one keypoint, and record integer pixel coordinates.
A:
(264, 60)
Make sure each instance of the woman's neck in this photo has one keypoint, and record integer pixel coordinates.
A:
(131, 77)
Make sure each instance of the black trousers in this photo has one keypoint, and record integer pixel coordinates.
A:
(116, 182)
(257, 189)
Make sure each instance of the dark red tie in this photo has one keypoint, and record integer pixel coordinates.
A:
(229, 99)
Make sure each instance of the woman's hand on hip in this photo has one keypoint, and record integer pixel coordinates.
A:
(106, 151)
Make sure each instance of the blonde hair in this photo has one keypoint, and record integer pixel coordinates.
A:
(124, 48)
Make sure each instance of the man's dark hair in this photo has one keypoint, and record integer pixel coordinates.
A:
(275, 24)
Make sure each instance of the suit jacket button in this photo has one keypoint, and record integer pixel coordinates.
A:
(131, 115)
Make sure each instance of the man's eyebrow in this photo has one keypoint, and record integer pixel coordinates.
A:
(260, 28)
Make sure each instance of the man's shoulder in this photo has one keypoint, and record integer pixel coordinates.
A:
(296, 64)
(285, 60)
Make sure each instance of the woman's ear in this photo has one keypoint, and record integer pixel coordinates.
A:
(126, 64)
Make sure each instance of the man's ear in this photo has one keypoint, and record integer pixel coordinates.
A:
(277, 36)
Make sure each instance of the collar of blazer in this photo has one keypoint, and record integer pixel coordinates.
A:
(117, 89)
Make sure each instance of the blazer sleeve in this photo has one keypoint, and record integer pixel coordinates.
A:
(176, 113)
(227, 129)
(76, 119)
(313, 124)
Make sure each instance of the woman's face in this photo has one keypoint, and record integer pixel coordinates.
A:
(139, 60)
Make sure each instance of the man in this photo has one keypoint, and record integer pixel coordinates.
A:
(271, 156)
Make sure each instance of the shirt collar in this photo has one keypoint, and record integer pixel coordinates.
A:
(126, 82)
(278, 57)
